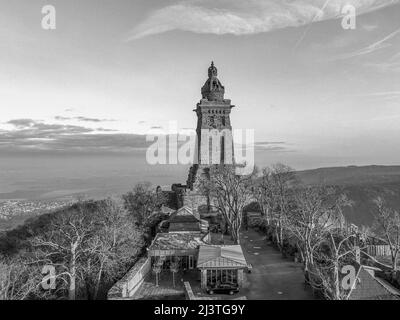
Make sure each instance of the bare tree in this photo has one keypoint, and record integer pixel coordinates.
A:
(91, 245)
(63, 245)
(112, 247)
(337, 251)
(315, 213)
(18, 280)
(157, 268)
(387, 224)
(174, 267)
(142, 201)
(283, 181)
(230, 192)
(264, 194)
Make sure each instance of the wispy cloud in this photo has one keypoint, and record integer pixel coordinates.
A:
(244, 17)
(391, 65)
(379, 96)
(83, 119)
(268, 143)
(29, 134)
(316, 17)
(269, 146)
(22, 123)
(387, 95)
(369, 27)
(377, 45)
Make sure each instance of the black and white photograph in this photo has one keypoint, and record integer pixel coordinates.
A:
(206, 150)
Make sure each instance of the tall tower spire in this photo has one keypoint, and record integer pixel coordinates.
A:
(213, 90)
(213, 115)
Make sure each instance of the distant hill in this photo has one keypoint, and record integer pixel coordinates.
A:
(360, 184)
(14, 212)
(351, 175)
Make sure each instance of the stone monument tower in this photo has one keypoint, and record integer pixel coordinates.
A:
(213, 117)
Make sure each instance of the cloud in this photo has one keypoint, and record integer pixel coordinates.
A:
(28, 135)
(263, 143)
(22, 123)
(369, 27)
(244, 17)
(60, 118)
(83, 119)
(29, 128)
(117, 142)
(270, 146)
(94, 143)
(391, 65)
(377, 45)
(384, 66)
(387, 95)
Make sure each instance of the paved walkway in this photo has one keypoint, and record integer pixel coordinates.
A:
(273, 277)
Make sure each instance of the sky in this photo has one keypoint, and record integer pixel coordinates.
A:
(315, 94)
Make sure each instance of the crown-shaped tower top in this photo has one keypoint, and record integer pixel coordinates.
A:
(212, 71)
(213, 90)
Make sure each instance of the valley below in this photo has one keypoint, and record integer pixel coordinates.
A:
(361, 184)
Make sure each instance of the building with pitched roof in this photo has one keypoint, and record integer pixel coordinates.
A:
(184, 220)
(182, 241)
(369, 286)
(221, 264)
(186, 243)
(176, 245)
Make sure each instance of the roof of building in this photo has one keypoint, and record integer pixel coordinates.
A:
(221, 257)
(177, 241)
(184, 227)
(388, 287)
(184, 214)
(370, 287)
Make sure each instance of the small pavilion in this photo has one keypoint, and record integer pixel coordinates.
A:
(167, 247)
(221, 264)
